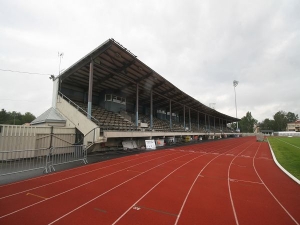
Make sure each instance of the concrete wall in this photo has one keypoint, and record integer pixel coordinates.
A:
(77, 119)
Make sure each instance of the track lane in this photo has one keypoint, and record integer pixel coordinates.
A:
(13, 203)
(208, 200)
(66, 202)
(109, 198)
(151, 209)
(13, 188)
(131, 191)
(253, 203)
(282, 188)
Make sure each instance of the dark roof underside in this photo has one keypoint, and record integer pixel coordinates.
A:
(117, 68)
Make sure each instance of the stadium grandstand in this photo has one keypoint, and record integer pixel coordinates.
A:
(110, 96)
(108, 101)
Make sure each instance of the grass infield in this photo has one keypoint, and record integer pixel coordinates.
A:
(287, 152)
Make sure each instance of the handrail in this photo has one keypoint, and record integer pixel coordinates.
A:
(79, 108)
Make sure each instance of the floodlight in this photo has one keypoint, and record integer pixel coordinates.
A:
(235, 83)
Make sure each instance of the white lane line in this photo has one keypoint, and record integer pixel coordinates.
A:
(199, 175)
(64, 179)
(93, 199)
(229, 189)
(247, 181)
(64, 171)
(134, 204)
(78, 187)
(253, 163)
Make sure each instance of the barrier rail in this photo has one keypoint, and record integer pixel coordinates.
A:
(19, 161)
(62, 155)
(79, 108)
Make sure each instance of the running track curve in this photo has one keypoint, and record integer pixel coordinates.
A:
(231, 181)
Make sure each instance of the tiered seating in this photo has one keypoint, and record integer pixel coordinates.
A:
(111, 120)
(177, 126)
(107, 119)
(195, 128)
(158, 124)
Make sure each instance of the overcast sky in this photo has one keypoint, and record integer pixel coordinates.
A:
(199, 46)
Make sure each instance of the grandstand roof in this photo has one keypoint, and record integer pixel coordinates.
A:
(115, 67)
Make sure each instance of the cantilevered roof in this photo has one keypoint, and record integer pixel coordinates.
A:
(50, 116)
(116, 68)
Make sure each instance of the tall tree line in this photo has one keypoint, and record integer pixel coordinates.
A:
(278, 123)
(15, 118)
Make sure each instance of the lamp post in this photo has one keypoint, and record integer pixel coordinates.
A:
(235, 83)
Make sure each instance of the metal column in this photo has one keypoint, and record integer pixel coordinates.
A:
(190, 122)
(214, 123)
(198, 119)
(137, 106)
(170, 114)
(151, 110)
(208, 123)
(184, 117)
(90, 96)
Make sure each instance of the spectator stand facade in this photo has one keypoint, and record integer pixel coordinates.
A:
(110, 90)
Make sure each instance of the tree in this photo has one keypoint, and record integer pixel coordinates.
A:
(28, 117)
(3, 116)
(280, 121)
(291, 117)
(247, 123)
(15, 118)
(267, 124)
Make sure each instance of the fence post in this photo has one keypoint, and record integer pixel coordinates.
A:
(49, 165)
(84, 155)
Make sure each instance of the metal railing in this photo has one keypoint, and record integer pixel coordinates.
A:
(19, 161)
(78, 108)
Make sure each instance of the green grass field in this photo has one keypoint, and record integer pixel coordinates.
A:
(287, 152)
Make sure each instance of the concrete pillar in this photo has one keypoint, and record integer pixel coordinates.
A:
(55, 92)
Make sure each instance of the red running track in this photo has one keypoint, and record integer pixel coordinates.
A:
(233, 181)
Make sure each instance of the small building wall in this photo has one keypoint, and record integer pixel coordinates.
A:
(18, 137)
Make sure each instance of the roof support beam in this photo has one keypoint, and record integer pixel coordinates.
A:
(137, 81)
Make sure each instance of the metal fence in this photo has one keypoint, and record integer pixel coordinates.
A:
(62, 155)
(46, 158)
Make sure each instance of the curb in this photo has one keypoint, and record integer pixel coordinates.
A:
(280, 167)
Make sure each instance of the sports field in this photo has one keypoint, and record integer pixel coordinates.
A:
(287, 152)
(231, 181)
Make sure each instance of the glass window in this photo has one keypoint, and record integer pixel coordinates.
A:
(107, 97)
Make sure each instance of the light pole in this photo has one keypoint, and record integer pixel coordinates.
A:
(235, 83)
